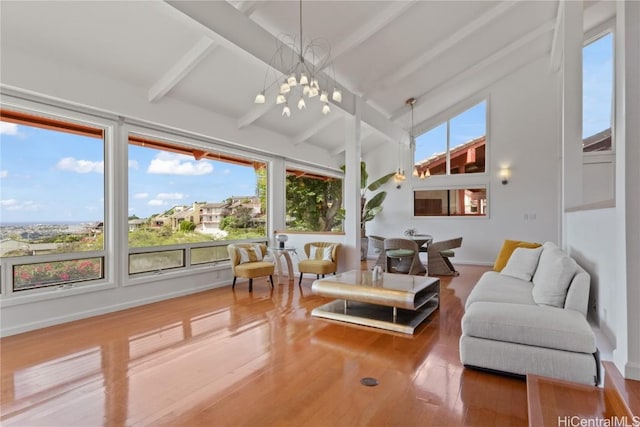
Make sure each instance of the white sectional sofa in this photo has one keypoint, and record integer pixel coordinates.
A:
(531, 318)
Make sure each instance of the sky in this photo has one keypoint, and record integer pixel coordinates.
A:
(49, 176)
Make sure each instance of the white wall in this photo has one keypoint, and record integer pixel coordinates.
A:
(523, 132)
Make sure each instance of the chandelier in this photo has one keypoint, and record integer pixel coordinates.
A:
(296, 71)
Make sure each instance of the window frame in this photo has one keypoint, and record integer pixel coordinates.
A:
(76, 119)
(312, 171)
(189, 142)
(592, 35)
(445, 117)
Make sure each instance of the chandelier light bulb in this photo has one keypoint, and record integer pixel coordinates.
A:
(422, 175)
(326, 109)
(280, 99)
(291, 81)
(285, 88)
(337, 95)
(286, 111)
(305, 90)
(324, 96)
(303, 79)
(301, 104)
(415, 172)
(313, 91)
(260, 98)
(427, 173)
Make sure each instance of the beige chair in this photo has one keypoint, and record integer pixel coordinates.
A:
(247, 263)
(402, 256)
(439, 254)
(320, 261)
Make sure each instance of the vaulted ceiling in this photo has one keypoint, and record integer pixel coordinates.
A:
(214, 54)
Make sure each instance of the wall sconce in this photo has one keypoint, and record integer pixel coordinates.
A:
(505, 174)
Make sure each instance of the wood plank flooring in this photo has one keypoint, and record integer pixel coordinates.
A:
(231, 358)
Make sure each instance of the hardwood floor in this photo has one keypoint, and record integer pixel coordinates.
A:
(225, 358)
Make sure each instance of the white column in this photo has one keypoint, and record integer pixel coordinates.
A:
(572, 43)
(353, 154)
(276, 198)
(627, 142)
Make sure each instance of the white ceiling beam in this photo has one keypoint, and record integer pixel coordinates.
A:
(326, 121)
(237, 29)
(556, 43)
(363, 32)
(247, 7)
(181, 68)
(420, 61)
(470, 72)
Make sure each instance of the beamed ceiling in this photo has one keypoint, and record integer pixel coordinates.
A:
(214, 54)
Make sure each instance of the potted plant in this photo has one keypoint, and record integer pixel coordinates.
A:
(369, 208)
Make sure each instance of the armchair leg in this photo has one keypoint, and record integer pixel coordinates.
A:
(300, 281)
(234, 283)
(271, 280)
(250, 285)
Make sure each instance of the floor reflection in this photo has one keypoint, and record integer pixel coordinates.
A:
(201, 359)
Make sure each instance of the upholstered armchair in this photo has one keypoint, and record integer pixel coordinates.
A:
(322, 258)
(247, 261)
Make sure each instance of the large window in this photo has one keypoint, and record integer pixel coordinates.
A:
(314, 201)
(52, 200)
(450, 202)
(456, 146)
(185, 197)
(597, 94)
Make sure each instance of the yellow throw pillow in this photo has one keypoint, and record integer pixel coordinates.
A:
(507, 249)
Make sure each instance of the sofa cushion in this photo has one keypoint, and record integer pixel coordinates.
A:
(533, 325)
(496, 287)
(553, 276)
(522, 263)
(508, 246)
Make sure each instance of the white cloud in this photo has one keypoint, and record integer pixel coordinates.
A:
(155, 202)
(7, 128)
(4, 174)
(80, 166)
(133, 164)
(15, 205)
(8, 202)
(226, 171)
(178, 164)
(170, 196)
(141, 195)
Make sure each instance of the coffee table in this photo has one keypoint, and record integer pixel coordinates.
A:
(395, 302)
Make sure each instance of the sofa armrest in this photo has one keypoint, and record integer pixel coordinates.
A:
(578, 293)
(540, 326)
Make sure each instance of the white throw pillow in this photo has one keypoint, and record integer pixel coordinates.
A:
(321, 253)
(522, 263)
(552, 277)
(251, 254)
